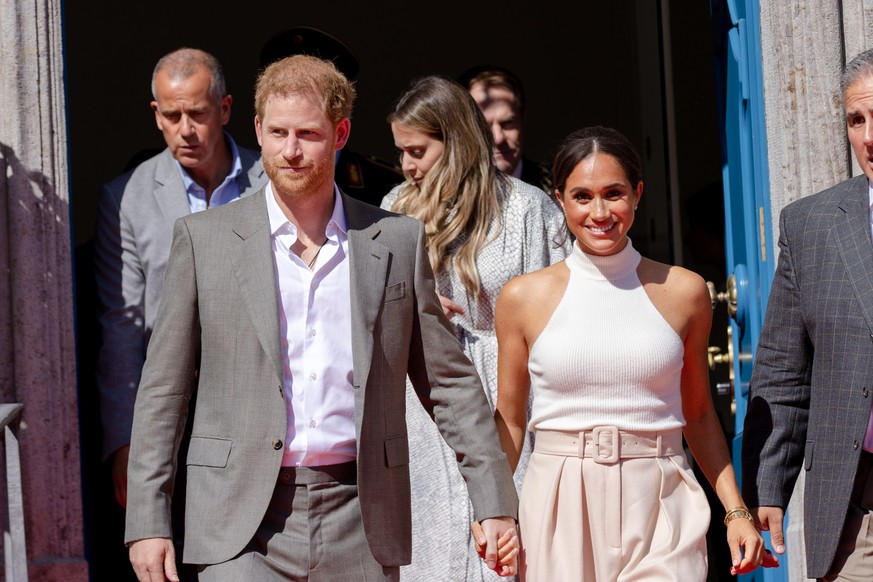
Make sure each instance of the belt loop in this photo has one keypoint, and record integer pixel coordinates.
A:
(659, 445)
(581, 447)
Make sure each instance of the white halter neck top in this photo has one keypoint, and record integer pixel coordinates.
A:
(606, 356)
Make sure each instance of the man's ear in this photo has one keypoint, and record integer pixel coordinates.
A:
(225, 109)
(154, 105)
(258, 130)
(343, 130)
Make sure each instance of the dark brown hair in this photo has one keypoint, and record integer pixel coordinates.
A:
(591, 140)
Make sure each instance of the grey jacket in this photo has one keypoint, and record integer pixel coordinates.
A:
(220, 316)
(136, 212)
(810, 392)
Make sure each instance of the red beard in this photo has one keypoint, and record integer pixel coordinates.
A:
(312, 175)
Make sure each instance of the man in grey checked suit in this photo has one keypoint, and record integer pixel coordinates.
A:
(810, 394)
(298, 313)
(201, 167)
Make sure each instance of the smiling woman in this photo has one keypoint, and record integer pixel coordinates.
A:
(613, 347)
(600, 204)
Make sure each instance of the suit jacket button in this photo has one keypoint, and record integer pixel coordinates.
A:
(865, 392)
(277, 444)
(855, 445)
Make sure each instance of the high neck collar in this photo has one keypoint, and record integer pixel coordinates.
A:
(609, 267)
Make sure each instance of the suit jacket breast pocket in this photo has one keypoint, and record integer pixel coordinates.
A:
(208, 452)
(395, 292)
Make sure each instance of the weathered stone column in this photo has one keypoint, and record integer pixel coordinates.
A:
(804, 46)
(37, 349)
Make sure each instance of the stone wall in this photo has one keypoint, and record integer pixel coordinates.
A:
(804, 47)
(37, 350)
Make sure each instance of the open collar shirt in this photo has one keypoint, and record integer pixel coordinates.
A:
(316, 333)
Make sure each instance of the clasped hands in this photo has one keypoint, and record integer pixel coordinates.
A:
(497, 543)
(743, 535)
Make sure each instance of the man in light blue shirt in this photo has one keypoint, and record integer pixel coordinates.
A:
(201, 168)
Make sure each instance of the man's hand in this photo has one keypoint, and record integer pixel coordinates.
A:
(771, 519)
(119, 474)
(497, 543)
(154, 560)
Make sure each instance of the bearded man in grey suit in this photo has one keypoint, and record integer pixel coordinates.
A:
(810, 393)
(298, 314)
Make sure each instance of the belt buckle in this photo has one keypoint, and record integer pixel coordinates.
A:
(614, 444)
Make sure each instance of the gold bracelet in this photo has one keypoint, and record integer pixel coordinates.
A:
(738, 512)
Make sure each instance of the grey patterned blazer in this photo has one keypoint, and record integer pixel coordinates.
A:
(134, 230)
(220, 312)
(810, 393)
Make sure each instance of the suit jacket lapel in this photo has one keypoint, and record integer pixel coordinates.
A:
(170, 191)
(368, 267)
(253, 172)
(255, 272)
(856, 246)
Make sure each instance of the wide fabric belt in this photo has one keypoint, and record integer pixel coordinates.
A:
(607, 444)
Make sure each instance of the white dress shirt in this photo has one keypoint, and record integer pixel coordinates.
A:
(316, 333)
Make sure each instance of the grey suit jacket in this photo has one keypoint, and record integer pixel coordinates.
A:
(134, 230)
(220, 312)
(812, 378)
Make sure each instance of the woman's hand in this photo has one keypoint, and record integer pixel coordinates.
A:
(450, 308)
(747, 547)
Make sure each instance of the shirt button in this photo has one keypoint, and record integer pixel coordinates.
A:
(312, 424)
(312, 332)
(277, 444)
(313, 376)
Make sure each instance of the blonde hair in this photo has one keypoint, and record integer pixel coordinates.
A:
(310, 76)
(459, 198)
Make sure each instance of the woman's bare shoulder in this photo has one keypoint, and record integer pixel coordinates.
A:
(681, 295)
(527, 302)
(676, 279)
(531, 286)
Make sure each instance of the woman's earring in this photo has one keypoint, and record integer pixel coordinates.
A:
(635, 207)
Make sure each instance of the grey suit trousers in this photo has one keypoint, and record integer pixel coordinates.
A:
(312, 531)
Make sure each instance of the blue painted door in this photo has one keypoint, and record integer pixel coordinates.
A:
(748, 237)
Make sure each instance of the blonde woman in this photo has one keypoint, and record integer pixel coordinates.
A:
(483, 228)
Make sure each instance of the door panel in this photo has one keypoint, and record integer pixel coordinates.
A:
(748, 241)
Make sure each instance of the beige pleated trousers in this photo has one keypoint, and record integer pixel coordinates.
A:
(608, 505)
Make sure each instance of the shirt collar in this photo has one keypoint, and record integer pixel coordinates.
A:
(278, 220)
(235, 168)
